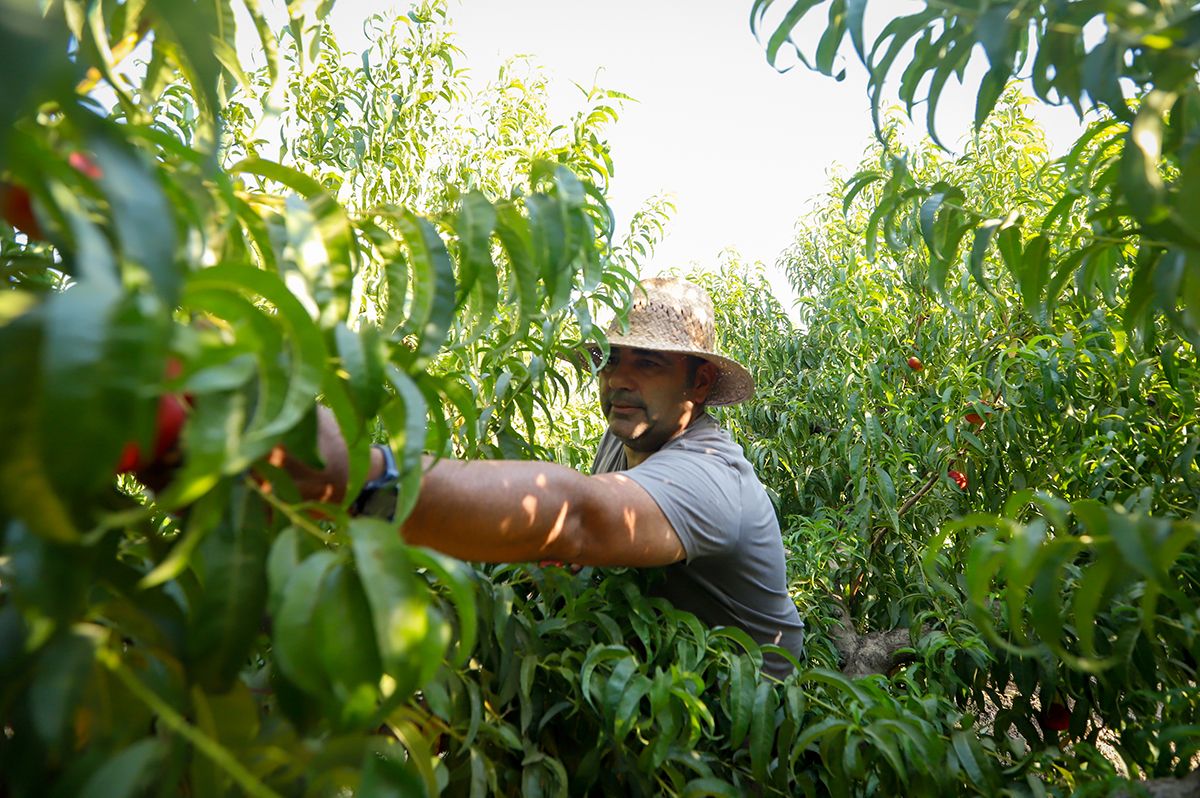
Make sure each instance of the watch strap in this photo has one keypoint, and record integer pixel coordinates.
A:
(378, 497)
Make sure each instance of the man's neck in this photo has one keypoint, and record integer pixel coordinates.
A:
(634, 457)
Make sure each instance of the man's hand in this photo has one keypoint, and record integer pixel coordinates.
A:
(327, 484)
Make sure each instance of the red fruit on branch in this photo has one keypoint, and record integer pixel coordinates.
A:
(974, 418)
(171, 415)
(130, 456)
(1055, 717)
(915, 364)
(83, 164)
(959, 478)
(16, 207)
(172, 371)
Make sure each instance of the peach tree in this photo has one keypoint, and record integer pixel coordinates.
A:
(1029, 497)
(214, 634)
(185, 251)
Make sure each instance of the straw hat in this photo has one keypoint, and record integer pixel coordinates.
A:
(673, 315)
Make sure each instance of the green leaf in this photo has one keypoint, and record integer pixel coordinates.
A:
(990, 89)
(232, 717)
(622, 675)
(782, 33)
(270, 48)
(345, 638)
(78, 330)
(964, 751)
(405, 418)
(831, 39)
(626, 715)
(294, 636)
(1141, 290)
(1140, 182)
(129, 773)
(328, 279)
(140, 212)
(763, 729)
(459, 580)
(25, 488)
(51, 576)
(410, 638)
(711, 787)
(307, 366)
(741, 698)
(386, 775)
(950, 61)
(897, 34)
(739, 636)
(227, 614)
(856, 185)
(203, 516)
(596, 655)
(1023, 551)
(1092, 586)
(363, 358)
(855, 11)
(548, 239)
(474, 223)
(1102, 69)
(890, 752)
(815, 732)
(433, 283)
(32, 45)
(65, 666)
(887, 488)
(513, 231)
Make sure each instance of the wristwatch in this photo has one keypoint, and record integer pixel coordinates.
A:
(377, 499)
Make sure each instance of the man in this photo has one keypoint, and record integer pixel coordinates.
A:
(669, 488)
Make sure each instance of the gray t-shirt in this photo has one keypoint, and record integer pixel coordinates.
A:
(734, 573)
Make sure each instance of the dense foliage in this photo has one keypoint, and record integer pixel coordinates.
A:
(981, 438)
(145, 630)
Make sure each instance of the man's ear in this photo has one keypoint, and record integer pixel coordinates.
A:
(706, 379)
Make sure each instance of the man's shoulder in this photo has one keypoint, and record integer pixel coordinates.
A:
(706, 436)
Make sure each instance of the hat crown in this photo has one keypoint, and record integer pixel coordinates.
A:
(676, 313)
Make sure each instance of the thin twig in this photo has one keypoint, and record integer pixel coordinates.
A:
(901, 510)
(177, 723)
(928, 486)
(296, 518)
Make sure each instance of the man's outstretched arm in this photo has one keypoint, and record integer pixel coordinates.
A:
(516, 511)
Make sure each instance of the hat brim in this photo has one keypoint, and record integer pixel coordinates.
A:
(734, 382)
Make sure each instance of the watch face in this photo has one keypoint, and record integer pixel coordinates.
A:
(381, 503)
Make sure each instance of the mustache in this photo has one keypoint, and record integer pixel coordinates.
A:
(623, 398)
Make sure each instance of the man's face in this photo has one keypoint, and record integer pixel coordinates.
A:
(649, 397)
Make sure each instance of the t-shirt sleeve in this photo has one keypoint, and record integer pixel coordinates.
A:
(699, 493)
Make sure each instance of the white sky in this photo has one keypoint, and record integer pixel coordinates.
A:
(740, 146)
